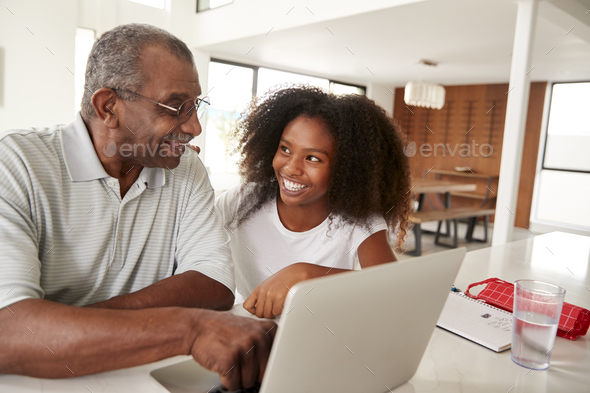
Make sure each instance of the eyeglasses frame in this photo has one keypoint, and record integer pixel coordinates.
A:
(197, 103)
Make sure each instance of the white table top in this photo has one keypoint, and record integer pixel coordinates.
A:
(451, 363)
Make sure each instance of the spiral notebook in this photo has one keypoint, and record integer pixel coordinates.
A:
(476, 321)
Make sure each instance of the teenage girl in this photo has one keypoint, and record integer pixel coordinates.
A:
(324, 177)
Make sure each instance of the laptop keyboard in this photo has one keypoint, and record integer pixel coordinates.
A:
(221, 389)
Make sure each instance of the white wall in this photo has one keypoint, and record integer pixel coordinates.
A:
(245, 18)
(382, 96)
(36, 88)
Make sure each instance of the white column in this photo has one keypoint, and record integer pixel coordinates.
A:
(514, 128)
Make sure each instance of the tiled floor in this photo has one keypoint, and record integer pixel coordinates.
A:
(428, 246)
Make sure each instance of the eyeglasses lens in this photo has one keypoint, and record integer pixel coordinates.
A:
(188, 107)
(185, 111)
(203, 106)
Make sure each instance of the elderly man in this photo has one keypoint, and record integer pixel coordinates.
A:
(111, 250)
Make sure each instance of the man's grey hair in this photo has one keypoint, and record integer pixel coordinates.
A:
(115, 60)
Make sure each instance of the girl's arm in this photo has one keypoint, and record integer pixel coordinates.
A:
(375, 250)
(268, 298)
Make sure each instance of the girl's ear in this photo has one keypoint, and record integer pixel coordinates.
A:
(104, 102)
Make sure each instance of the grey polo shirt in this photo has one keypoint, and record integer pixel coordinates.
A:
(66, 234)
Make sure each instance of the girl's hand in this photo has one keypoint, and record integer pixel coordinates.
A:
(268, 298)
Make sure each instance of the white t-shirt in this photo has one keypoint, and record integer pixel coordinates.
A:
(262, 246)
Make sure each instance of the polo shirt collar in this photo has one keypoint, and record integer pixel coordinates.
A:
(153, 177)
(82, 162)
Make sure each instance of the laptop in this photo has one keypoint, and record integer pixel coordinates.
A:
(363, 331)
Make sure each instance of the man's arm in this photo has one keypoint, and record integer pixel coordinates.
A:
(182, 290)
(45, 339)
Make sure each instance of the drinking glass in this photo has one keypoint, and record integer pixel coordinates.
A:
(537, 309)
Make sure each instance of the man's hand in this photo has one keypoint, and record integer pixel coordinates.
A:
(268, 298)
(236, 348)
(44, 339)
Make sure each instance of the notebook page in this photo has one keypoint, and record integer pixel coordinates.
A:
(479, 322)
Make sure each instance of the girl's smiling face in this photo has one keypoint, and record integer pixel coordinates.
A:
(302, 162)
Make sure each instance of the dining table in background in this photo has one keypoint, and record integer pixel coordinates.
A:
(421, 187)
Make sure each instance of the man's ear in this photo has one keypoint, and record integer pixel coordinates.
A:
(104, 102)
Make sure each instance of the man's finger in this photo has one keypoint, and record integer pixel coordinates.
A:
(269, 338)
(232, 379)
(229, 368)
(250, 366)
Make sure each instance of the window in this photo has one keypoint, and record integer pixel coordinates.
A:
(568, 129)
(563, 184)
(83, 45)
(268, 78)
(204, 5)
(231, 88)
(344, 88)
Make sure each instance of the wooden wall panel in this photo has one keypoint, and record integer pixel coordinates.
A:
(473, 116)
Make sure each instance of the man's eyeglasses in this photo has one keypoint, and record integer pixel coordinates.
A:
(185, 110)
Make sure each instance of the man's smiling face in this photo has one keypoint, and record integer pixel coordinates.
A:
(151, 133)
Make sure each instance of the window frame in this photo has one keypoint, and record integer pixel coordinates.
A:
(363, 88)
(256, 68)
(543, 166)
(208, 7)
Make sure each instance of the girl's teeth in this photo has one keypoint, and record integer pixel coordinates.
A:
(291, 186)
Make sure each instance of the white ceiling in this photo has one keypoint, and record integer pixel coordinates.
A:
(470, 39)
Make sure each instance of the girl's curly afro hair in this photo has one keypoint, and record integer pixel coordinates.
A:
(369, 174)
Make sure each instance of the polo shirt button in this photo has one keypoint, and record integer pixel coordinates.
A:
(111, 183)
(119, 235)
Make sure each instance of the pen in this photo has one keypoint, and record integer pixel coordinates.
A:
(455, 289)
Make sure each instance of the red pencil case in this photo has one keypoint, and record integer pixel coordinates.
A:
(574, 321)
